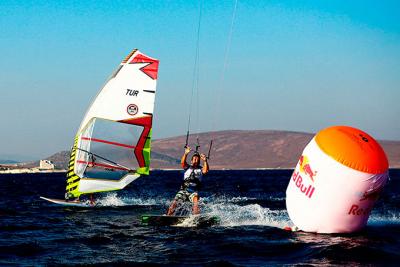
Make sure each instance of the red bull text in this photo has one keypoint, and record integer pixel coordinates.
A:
(299, 182)
(357, 210)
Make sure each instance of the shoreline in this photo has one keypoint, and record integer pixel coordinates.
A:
(29, 171)
(25, 171)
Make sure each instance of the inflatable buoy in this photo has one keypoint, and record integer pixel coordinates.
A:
(337, 181)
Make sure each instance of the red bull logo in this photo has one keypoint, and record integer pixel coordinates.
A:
(298, 181)
(371, 195)
(305, 167)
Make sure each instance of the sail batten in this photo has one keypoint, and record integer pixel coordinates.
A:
(107, 142)
(112, 146)
(102, 165)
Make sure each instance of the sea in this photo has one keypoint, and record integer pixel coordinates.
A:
(250, 204)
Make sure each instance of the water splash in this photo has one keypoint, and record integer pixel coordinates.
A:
(232, 211)
(254, 214)
(232, 214)
(113, 200)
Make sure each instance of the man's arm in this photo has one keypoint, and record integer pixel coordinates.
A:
(183, 159)
(205, 168)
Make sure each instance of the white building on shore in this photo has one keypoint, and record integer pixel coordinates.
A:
(46, 165)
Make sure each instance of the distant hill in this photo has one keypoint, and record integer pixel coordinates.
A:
(60, 159)
(7, 161)
(239, 149)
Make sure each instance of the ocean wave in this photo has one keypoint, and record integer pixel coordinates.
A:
(22, 250)
(389, 217)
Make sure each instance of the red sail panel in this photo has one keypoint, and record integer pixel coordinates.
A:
(151, 69)
(146, 122)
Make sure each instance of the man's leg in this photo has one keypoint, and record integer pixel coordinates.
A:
(196, 209)
(172, 208)
(91, 200)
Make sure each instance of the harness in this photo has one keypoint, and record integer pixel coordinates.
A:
(192, 183)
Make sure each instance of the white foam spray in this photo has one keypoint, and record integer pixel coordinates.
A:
(113, 200)
(232, 214)
(230, 210)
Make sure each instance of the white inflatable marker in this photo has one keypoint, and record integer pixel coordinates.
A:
(337, 181)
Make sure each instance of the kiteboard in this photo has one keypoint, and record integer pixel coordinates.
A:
(69, 203)
(166, 220)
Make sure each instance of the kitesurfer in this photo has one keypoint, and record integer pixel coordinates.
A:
(191, 181)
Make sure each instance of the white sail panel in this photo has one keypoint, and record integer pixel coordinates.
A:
(131, 85)
(84, 145)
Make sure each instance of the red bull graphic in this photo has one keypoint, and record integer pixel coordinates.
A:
(298, 181)
(371, 194)
(305, 167)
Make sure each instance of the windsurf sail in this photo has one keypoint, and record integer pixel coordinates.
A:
(112, 146)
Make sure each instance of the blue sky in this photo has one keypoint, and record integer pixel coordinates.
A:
(293, 65)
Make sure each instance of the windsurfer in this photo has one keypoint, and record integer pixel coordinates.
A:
(191, 181)
(70, 198)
